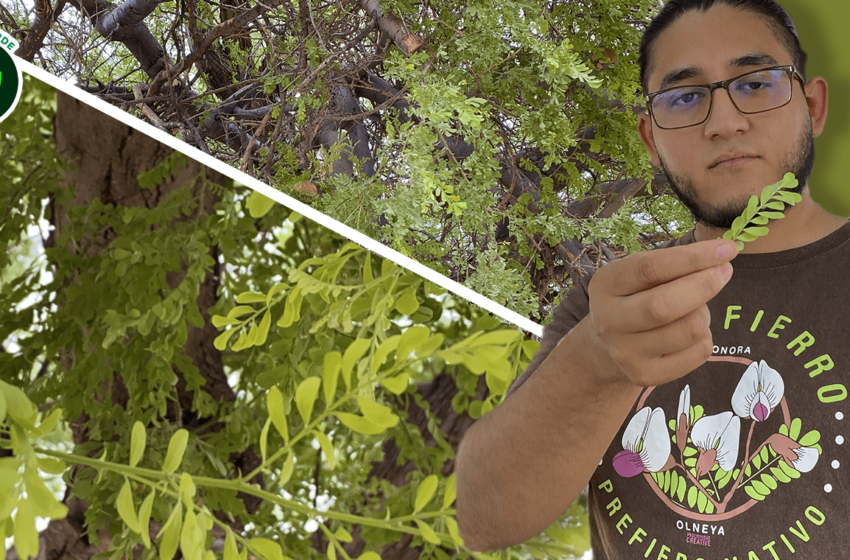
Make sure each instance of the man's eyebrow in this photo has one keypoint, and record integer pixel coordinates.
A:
(751, 59)
(679, 74)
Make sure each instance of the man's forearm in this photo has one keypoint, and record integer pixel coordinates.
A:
(522, 465)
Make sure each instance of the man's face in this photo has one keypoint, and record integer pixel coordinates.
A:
(697, 159)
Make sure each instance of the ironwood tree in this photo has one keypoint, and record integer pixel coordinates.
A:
(190, 370)
(495, 142)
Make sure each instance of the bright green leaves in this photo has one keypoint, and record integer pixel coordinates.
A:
(138, 439)
(771, 205)
(259, 205)
(176, 448)
(26, 534)
(305, 397)
(425, 492)
(170, 533)
(266, 548)
(331, 366)
(192, 535)
(274, 403)
(124, 505)
(17, 405)
(407, 304)
(231, 552)
(353, 353)
(327, 448)
(427, 532)
(144, 518)
(44, 503)
(450, 492)
(243, 319)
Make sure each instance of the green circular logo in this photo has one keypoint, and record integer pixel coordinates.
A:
(10, 75)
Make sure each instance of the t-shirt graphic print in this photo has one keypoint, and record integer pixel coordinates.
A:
(744, 458)
(747, 456)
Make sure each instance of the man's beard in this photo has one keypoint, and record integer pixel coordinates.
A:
(800, 163)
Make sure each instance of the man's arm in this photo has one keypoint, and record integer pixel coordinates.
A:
(522, 464)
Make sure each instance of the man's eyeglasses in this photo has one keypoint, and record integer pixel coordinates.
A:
(753, 92)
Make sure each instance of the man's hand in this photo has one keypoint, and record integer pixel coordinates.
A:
(648, 312)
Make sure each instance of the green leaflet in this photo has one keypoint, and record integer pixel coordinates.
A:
(231, 552)
(287, 470)
(451, 524)
(359, 424)
(145, 517)
(191, 537)
(274, 403)
(396, 385)
(267, 549)
(124, 504)
(264, 438)
(342, 535)
(26, 535)
(353, 353)
(427, 532)
(332, 363)
(171, 533)
(327, 448)
(425, 492)
(305, 397)
(138, 439)
(176, 448)
(259, 205)
(774, 199)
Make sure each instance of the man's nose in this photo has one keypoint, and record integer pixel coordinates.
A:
(724, 120)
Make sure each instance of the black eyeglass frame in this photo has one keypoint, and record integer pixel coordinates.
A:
(790, 69)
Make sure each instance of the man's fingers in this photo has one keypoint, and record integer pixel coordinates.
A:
(671, 367)
(646, 270)
(672, 338)
(665, 304)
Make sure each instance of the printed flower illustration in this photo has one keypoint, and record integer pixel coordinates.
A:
(798, 456)
(758, 393)
(683, 418)
(646, 444)
(717, 439)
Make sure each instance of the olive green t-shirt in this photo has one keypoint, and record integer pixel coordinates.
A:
(748, 456)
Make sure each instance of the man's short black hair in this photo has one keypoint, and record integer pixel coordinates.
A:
(774, 15)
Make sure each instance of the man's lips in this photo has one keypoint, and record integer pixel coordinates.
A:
(731, 159)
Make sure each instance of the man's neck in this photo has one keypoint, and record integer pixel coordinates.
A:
(804, 223)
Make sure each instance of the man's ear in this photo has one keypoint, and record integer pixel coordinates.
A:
(817, 99)
(645, 133)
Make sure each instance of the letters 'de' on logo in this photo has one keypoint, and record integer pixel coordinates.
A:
(10, 75)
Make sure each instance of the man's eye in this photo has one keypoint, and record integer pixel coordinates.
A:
(747, 87)
(685, 99)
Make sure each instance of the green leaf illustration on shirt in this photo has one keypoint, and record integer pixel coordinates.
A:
(771, 205)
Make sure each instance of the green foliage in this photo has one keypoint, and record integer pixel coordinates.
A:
(325, 347)
(771, 205)
(505, 116)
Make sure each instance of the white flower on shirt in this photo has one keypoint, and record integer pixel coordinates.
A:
(717, 438)
(646, 444)
(798, 456)
(759, 392)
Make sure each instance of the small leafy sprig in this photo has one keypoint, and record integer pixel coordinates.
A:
(771, 205)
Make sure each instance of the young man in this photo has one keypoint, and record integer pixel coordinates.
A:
(707, 411)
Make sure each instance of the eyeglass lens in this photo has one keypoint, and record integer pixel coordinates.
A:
(756, 92)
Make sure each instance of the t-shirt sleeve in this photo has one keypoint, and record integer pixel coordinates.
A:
(573, 308)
